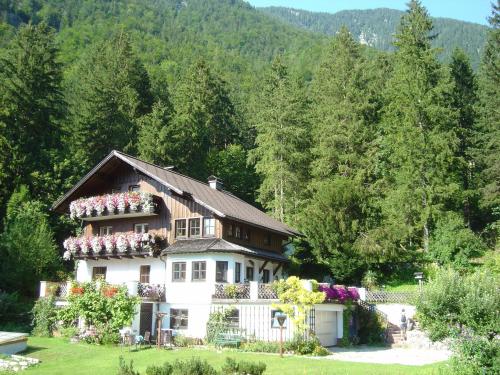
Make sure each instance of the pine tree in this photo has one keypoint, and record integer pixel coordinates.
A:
(464, 100)
(281, 146)
(110, 92)
(31, 108)
(488, 149)
(206, 119)
(419, 140)
(155, 141)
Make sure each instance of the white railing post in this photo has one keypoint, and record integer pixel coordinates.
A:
(362, 293)
(254, 290)
(43, 288)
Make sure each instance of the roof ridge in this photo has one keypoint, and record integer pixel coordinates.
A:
(181, 174)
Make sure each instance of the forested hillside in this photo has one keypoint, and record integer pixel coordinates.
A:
(376, 28)
(386, 161)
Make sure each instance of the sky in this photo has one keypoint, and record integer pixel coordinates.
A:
(467, 10)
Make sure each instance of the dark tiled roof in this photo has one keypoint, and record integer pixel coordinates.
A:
(217, 245)
(220, 202)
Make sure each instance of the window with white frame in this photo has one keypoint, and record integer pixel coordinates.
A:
(237, 272)
(180, 228)
(144, 273)
(221, 271)
(194, 227)
(179, 271)
(249, 274)
(106, 230)
(134, 188)
(208, 226)
(266, 276)
(199, 271)
(141, 228)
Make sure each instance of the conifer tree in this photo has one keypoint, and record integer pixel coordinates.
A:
(464, 102)
(281, 153)
(488, 148)
(419, 140)
(206, 119)
(31, 108)
(110, 92)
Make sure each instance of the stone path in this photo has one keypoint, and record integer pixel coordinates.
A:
(412, 357)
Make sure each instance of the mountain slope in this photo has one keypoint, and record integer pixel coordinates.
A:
(375, 27)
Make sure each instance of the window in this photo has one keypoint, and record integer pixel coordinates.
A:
(144, 274)
(199, 271)
(233, 318)
(237, 272)
(194, 227)
(246, 234)
(208, 226)
(105, 231)
(133, 188)
(266, 276)
(230, 230)
(179, 271)
(178, 318)
(237, 232)
(99, 273)
(141, 228)
(221, 272)
(267, 239)
(249, 275)
(180, 228)
(116, 189)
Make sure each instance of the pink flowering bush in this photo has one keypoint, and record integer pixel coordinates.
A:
(339, 293)
(110, 203)
(121, 243)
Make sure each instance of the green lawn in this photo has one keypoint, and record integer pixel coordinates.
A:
(60, 357)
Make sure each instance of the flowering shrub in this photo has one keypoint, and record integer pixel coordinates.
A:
(339, 293)
(151, 291)
(133, 201)
(121, 243)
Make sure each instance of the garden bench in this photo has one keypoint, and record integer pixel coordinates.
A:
(230, 339)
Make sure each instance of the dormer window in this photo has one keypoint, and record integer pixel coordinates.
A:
(133, 188)
(180, 228)
(208, 226)
(246, 234)
(230, 230)
(237, 232)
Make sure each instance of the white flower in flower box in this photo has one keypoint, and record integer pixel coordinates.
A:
(121, 243)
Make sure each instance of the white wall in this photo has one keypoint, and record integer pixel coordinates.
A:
(393, 311)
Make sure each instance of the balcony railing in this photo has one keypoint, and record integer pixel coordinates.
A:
(118, 205)
(252, 291)
(112, 245)
(61, 290)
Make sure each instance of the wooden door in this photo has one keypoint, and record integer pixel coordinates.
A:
(146, 318)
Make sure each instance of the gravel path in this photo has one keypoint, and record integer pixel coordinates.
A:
(413, 357)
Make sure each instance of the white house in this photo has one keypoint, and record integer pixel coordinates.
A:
(178, 243)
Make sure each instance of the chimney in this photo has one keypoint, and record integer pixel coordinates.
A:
(215, 183)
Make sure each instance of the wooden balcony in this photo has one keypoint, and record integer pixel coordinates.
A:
(115, 206)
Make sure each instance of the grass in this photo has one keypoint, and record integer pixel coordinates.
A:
(60, 357)
(397, 286)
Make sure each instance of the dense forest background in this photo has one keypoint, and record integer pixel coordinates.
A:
(387, 161)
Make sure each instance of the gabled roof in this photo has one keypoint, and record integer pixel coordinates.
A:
(218, 245)
(220, 202)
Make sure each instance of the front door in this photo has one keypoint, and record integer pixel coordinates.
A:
(146, 318)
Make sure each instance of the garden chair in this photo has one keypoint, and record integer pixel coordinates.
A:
(147, 338)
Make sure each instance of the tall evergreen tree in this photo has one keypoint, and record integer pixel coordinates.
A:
(31, 107)
(110, 91)
(487, 156)
(464, 101)
(419, 140)
(281, 153)
(206, 119)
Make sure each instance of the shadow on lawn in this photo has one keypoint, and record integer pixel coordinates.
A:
(33, 349)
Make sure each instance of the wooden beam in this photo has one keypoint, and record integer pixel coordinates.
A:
(275, 271)
(263, 266)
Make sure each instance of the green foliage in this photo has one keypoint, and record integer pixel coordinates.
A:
(107, 313)
(261, 346)
(306, 346)
(452, 243)
(28, 243)
(371, 327)
(218, 322)
(475, 355)
(44, 317)
(243, 367)
(370, 279)
(193, 366)
(296, 301)
(14, 313)
(346, 339)
(126, 369)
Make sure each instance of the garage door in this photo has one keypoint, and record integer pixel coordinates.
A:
(326, 327)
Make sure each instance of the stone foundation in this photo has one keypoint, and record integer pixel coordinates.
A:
(17, 363)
